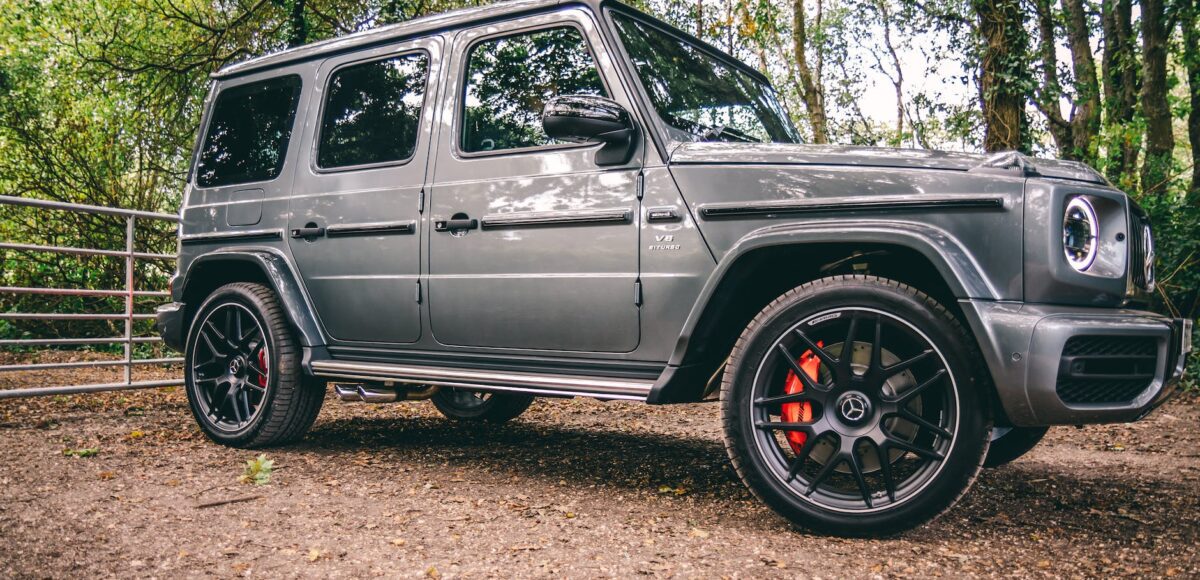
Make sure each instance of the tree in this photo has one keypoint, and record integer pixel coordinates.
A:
(1003, 73)
(1122, 136)
(811, 88)
(1160, 137)
(1076, 135)
(1189, 23)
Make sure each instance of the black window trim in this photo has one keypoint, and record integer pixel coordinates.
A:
(194, 177)
(319, 122)
(460, 107)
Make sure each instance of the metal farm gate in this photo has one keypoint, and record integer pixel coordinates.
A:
(131, 256)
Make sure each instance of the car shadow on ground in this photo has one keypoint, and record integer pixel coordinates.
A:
(1019, 501)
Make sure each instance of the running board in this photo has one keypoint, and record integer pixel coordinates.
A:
(490, 381)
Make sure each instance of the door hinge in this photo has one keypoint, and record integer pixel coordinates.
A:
(637, 293)
(418, 291)
(641, 184)
(421, 201)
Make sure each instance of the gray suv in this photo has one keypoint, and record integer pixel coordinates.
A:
(550, 198)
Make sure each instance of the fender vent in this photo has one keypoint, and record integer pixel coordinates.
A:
(1106, 369)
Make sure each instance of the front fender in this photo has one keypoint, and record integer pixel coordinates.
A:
(957, 266)
(222, 266)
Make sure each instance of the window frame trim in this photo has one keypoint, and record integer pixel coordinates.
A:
(319, 122)
(460, 106)
(211, 112)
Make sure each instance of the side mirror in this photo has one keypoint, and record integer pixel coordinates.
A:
(590, 119)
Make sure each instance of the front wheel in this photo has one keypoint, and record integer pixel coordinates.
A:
(852, 406)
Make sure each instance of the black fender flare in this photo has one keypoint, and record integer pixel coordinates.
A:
(957, 266)
(279, 274)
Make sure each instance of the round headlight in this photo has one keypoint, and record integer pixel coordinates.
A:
(1081, 230)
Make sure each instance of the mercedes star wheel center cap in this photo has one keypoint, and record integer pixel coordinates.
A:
(854, 407)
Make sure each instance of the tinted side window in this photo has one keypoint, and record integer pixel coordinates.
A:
(248, 136)
(372, 112)
(510, 79)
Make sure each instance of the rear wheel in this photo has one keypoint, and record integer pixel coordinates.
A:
(851, 406)
(243, 377)
(1010, 443)
(462, 405)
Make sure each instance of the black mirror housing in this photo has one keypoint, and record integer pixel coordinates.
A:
(591, 119)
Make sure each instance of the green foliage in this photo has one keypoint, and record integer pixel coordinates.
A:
(258, 471)
(84, 452)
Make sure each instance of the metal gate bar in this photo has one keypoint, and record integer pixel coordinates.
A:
(129, 293)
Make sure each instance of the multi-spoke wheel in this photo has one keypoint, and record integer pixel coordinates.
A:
(244, 382)
(851, 406)
(464, 405)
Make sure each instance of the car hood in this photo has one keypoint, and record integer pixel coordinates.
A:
(792, 154)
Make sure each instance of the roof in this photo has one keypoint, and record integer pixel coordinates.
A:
(384, 34)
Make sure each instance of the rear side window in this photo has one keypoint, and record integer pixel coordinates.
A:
(510, 79)
(248, 136)
(372, 112)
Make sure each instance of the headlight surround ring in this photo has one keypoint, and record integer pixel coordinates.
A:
(1081, 233)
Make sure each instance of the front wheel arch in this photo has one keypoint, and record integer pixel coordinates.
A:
(749, 280)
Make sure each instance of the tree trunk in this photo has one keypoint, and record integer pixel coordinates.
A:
(1121, 86)
(814, 100)
(1047, 97)
(1160, 141)
(1190, 23)
(1085, 119)
(1002, 71)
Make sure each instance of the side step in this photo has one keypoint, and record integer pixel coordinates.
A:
(490, 381)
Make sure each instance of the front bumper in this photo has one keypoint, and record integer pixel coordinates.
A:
(1120, 365)
(168, 320)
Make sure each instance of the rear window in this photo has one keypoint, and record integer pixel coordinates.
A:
(248, 135)
(372, 112)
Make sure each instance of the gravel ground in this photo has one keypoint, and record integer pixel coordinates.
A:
(573, 488)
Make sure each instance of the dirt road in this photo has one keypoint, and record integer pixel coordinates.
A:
(573, 488)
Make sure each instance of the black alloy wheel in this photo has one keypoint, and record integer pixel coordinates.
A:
(244, 383)
(851, 407)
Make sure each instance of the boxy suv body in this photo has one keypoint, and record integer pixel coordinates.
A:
(570, 198)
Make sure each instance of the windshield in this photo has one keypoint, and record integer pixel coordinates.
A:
(700, 97)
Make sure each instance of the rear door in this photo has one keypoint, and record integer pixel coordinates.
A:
(552, 262)
(355, 225)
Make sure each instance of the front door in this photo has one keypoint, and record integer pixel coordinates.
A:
(355, 225)
(533, 246)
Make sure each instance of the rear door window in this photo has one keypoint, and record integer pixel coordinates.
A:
(372, 112)
(249, 132)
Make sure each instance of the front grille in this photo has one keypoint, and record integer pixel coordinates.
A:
(1106, 369)
(1141, 253)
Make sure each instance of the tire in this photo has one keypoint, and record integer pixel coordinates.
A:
(237, 401)
(471, 406)
(1010, 445)
(862, 467)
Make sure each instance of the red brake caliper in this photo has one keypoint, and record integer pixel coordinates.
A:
(262, 364)
(800, 412)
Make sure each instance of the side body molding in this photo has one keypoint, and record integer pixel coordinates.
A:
(279, 274)
(958, 267)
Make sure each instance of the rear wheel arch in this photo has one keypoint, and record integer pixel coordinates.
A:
(208, 272)
(753, 277)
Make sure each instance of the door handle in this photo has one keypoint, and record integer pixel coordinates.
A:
(455, 225)
(309, 231)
